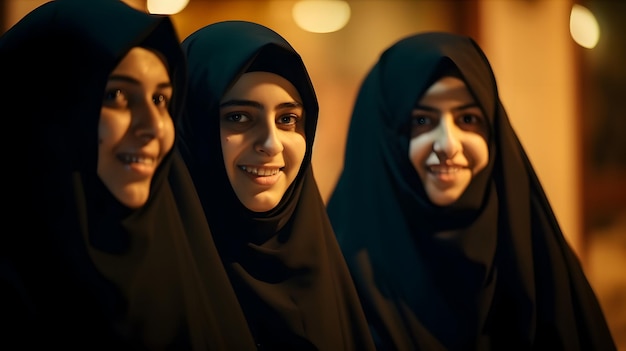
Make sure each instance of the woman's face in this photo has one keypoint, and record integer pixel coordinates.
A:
(135, 130)
(448, 144)
(262, 135)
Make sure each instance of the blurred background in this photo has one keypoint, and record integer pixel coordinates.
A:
(560, 67)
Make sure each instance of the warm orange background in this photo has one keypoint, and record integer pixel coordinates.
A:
(540, 75)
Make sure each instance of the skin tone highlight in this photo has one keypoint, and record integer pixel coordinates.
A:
(135, 130)
(263, 139)
(448, 144)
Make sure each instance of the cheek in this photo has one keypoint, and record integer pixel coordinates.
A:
(168, 135)
(104, 130)
(229, 146)
(232, 148)
(111, 128)
(294, 150)
(419, 149)
(109, 135)
(477, 150)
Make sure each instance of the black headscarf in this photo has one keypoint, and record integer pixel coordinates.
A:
(285, 264)
(81, 270)
(492, 271)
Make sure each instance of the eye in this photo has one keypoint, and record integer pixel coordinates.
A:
(161, 100)
(421, 117)
(237, 117)
(473, 122)
(471, 119)
(289, 119)
(420, 120)
(115, 98)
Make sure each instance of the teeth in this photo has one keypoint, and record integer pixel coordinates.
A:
(127, 158)
(444, 169)
(262, 172)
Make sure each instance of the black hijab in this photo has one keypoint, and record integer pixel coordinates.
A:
(81, 270)
(491, 271)
(285, 264)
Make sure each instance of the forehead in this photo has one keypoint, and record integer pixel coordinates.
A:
(447, 88)
(262, 85)
(140, 61)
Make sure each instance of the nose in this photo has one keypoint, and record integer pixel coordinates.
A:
(147, 121)
(268, 140)
(447, 142)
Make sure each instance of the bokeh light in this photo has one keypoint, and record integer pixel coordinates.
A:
(321, 16)
(166, 7)
(584, 27)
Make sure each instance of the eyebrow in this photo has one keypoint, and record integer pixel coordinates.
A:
(432, 109)
(292, 104)
(131, 80)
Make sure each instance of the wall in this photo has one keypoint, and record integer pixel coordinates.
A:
(532, 53)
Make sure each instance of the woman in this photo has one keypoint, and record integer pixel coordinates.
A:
(115, 252)
(247, 137)
(448, 234)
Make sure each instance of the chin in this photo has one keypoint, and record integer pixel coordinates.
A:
(260, 206)
(133, 203)
(133, 199)
(442, 200)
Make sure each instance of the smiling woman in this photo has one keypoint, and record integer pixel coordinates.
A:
(136, 130)
(247, 136)
(115, 252)
(449, 135)
(262, 132)
(449, 235)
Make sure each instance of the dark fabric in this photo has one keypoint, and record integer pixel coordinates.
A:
(285, 264)
(492, 271)
(80, 270)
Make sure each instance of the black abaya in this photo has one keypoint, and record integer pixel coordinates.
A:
(492, 271)
(81, 270)
(285, 264)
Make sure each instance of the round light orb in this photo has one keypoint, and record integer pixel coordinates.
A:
(166, 7)
(321, 16)
(584, 27)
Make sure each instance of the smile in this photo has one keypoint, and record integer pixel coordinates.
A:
(131, 158)
(260, 171)
(445, 169)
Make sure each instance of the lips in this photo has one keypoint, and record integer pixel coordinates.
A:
(264, 176)
(445, 175)
(135, 158)
(445, 169)
(140, 165)
(261, 171)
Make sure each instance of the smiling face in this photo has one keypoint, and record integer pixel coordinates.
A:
(448, 144)
(135, 130)
(263, 139)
